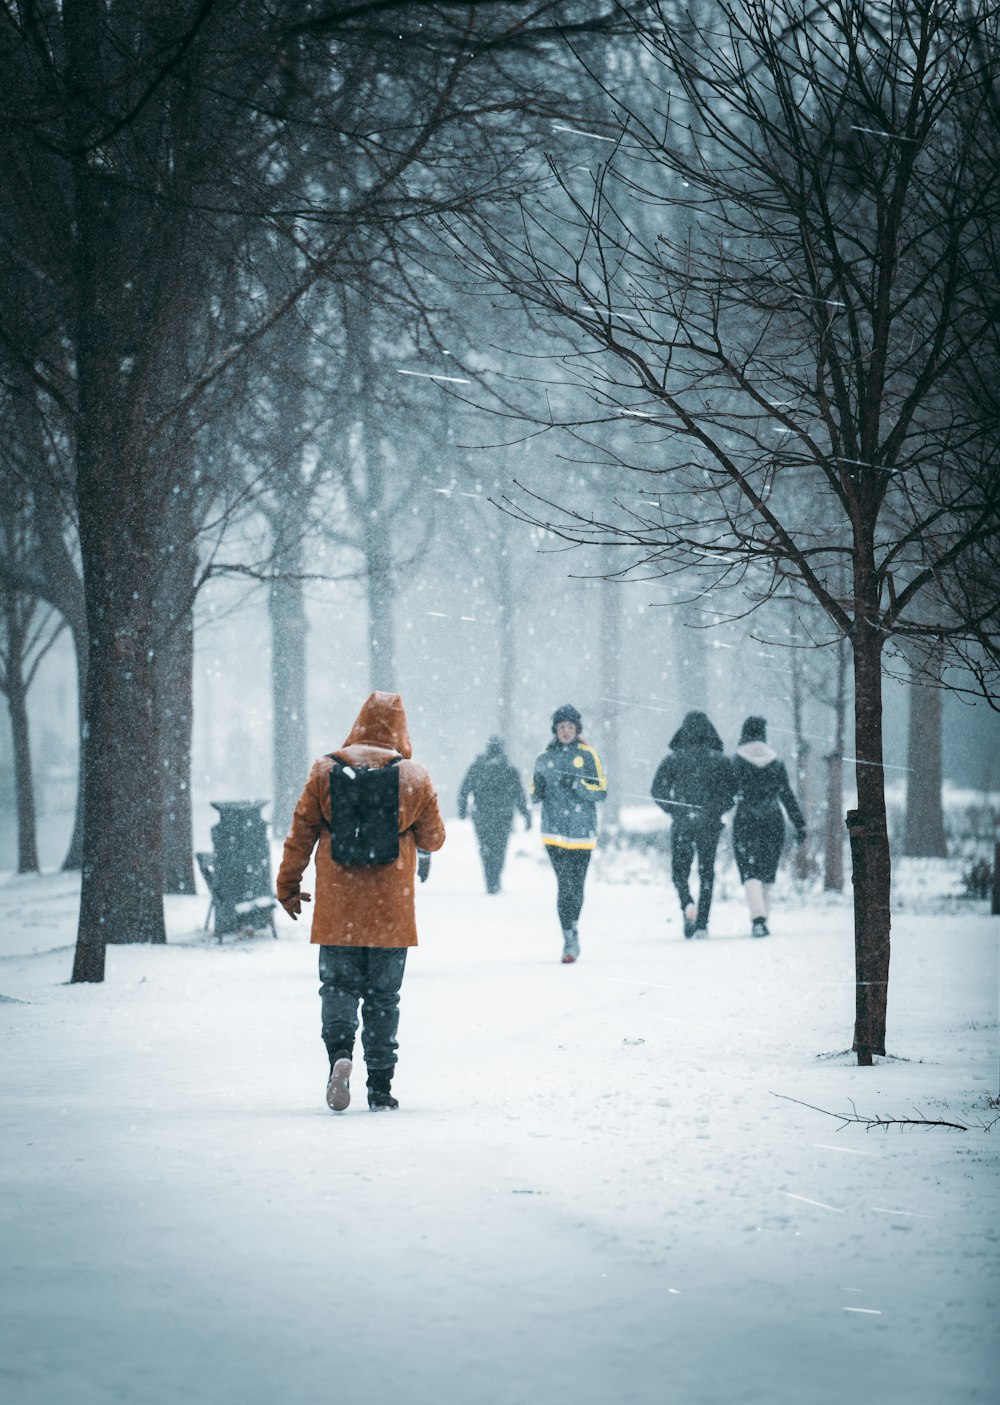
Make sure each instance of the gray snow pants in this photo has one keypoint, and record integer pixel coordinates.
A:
(368, 975)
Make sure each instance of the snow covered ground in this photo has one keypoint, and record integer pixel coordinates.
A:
(590, 1194)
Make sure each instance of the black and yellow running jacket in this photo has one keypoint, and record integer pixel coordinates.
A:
(568, 781)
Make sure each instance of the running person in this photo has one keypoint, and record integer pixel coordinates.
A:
(568, 782)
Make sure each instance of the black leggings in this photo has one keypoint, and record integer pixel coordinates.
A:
(686, 839)
(571, 871)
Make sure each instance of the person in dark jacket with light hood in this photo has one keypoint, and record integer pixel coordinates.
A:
(694, 786)
(762, 791)
(494, 788)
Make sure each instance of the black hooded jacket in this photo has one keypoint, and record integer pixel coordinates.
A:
(494, 787)
(695, 781)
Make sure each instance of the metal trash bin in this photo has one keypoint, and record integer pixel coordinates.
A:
(238, 870)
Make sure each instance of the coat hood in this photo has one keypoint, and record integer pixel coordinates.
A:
(382, 722)
(696, 730)
(757, 753)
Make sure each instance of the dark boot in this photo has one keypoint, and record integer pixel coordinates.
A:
(379, 1097)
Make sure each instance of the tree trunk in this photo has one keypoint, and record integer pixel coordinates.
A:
(690, 658)
(174, 699)
(290, 743)
(74, 854)
(121, 894)
(804, 865)
(175, 672)
(121, 533)
(611, 633)
(24, 787)
(379, 582)
(869, 836)
(508, 638)
(833, 866)
(833, 856)
(924, 830)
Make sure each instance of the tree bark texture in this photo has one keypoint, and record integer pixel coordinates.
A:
(122, 880)
(924, 836)
(872, 866)
(121, 516)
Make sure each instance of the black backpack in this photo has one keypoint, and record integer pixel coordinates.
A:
(364, 813)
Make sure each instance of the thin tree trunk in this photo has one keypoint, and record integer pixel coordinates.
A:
(175, 676)
(833, 859)
(508, 637)
(872, 866)
(924, 829)
(24, 786)
(74, 854)
(379, 582)
(804, 866)
(611, 633)
(290, 745)
(690, 658)
(175, 691)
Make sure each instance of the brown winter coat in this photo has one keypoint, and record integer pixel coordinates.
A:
(364, 906)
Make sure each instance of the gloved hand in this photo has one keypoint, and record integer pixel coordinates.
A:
(293, 904)
(423, 865)
(461, 813)
(800, 837)
(567, 781)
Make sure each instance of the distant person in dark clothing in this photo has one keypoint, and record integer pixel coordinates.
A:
(568, 782)
(494, 788)
(762, 789)
(694, 786)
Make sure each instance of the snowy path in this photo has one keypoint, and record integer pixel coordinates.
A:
(589, 1194)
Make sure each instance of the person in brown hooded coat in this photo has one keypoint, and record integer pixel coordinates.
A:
(364, 918)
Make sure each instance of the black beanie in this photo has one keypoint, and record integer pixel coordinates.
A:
(754, 730)
(567, 713)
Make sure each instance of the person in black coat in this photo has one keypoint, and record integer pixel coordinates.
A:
(762, 791)
(494, 788)
(694, 786)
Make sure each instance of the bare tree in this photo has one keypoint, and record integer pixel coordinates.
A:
(148, 152)
(797, 345)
